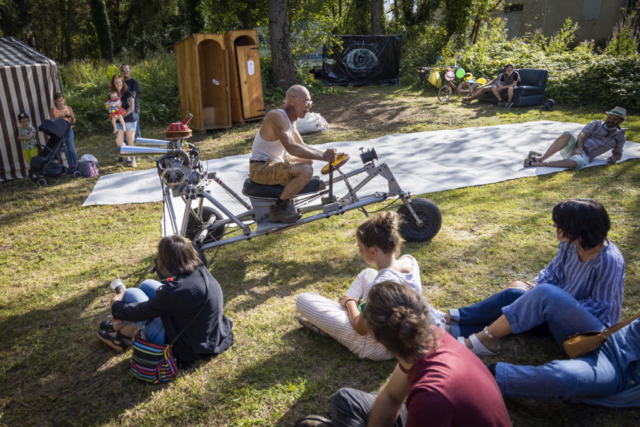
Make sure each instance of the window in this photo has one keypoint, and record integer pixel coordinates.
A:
(511, 7)
(591, 10)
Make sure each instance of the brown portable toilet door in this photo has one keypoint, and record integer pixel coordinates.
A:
(250, 81)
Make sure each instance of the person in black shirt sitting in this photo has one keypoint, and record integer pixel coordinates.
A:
(508, 81)
(172, 304)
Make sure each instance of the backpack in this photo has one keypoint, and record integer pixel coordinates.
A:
(88, 169)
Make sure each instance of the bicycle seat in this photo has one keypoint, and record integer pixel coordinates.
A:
(251, 189)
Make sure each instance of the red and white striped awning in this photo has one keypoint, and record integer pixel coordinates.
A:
(28, 81)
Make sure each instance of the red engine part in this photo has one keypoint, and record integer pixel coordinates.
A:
(179, 129)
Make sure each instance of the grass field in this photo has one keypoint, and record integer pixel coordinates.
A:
(57, 260)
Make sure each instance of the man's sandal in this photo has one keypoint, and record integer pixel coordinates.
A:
(119, 343)
(311, 327)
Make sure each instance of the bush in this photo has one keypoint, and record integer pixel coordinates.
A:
(575, 75)
(87, 86)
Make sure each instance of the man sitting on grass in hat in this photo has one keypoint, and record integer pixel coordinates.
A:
(578, 151)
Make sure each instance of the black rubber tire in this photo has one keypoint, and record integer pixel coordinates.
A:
(42, 181)
(161, 276)
(77, 174)
(431, 218)
(445, 93)
(193, 228)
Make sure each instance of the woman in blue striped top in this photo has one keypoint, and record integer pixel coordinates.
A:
(580, 290)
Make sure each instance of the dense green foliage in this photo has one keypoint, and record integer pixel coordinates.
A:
(582, 74)
(87, 88)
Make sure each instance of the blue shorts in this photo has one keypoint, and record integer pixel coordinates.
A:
(129, 126)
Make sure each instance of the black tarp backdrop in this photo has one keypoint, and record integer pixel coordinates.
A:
(362, 61)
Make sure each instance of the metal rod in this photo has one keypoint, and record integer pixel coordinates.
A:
(229, 190)
(226, 211)
(200, 202)
(294, 225)
(146, 142)
(185, 219)
(172, 212)
(349, 175)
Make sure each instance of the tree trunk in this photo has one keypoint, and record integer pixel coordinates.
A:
(376, 17)
(25, 16)
(284, 74)
(195, 16)
(103, 29)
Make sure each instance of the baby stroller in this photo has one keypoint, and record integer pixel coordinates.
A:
(49, 161)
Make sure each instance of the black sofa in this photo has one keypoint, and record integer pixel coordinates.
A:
(533, 81)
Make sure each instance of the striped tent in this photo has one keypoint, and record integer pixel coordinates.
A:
(28, 81)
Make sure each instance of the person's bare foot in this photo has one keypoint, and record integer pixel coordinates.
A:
(466, 101)
(115, 130)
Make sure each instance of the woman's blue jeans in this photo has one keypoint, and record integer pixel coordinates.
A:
(153, 332)
(549, 304)
(611, 369)
(469, 320)
(70, 150)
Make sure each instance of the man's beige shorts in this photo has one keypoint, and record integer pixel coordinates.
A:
(271, 172)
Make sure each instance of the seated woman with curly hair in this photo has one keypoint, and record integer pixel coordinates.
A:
(443, 383)
(379, 244)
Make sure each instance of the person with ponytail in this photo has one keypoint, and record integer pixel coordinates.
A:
(443, 383)
(379, 244)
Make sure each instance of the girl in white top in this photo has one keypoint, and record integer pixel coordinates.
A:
(379, 244)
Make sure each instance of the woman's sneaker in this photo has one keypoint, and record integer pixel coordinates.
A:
(508, 105)
(501, 104)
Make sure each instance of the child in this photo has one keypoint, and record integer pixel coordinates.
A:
(27, 134)
(116, 112)
(379, 244)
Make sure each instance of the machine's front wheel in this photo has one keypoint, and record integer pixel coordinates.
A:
(428, 213)
(194, 225)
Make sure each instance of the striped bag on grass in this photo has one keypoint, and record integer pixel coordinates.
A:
(154, 363)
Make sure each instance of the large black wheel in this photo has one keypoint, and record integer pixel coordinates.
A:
(445, 93)
(194, 225)
(428, 213)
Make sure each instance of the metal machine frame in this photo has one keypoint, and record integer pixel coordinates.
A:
(182, 175)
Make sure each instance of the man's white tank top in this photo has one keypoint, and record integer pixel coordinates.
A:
(264, 150)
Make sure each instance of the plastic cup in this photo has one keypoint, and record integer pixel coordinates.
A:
(118, 286)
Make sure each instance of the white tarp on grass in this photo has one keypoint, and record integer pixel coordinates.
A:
(422, 162)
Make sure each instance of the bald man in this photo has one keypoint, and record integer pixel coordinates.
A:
(280, 157)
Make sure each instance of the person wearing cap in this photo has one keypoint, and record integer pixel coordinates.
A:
(27, 135)
(578, 151)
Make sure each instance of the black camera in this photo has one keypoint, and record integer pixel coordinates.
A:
(368, 156)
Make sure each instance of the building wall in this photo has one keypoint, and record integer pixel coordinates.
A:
(595, 18)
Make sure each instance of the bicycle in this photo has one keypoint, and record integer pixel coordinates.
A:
(468, 85)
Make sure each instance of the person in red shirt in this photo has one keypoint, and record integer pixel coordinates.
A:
(444, 383)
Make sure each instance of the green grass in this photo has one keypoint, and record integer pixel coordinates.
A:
(58, 259)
